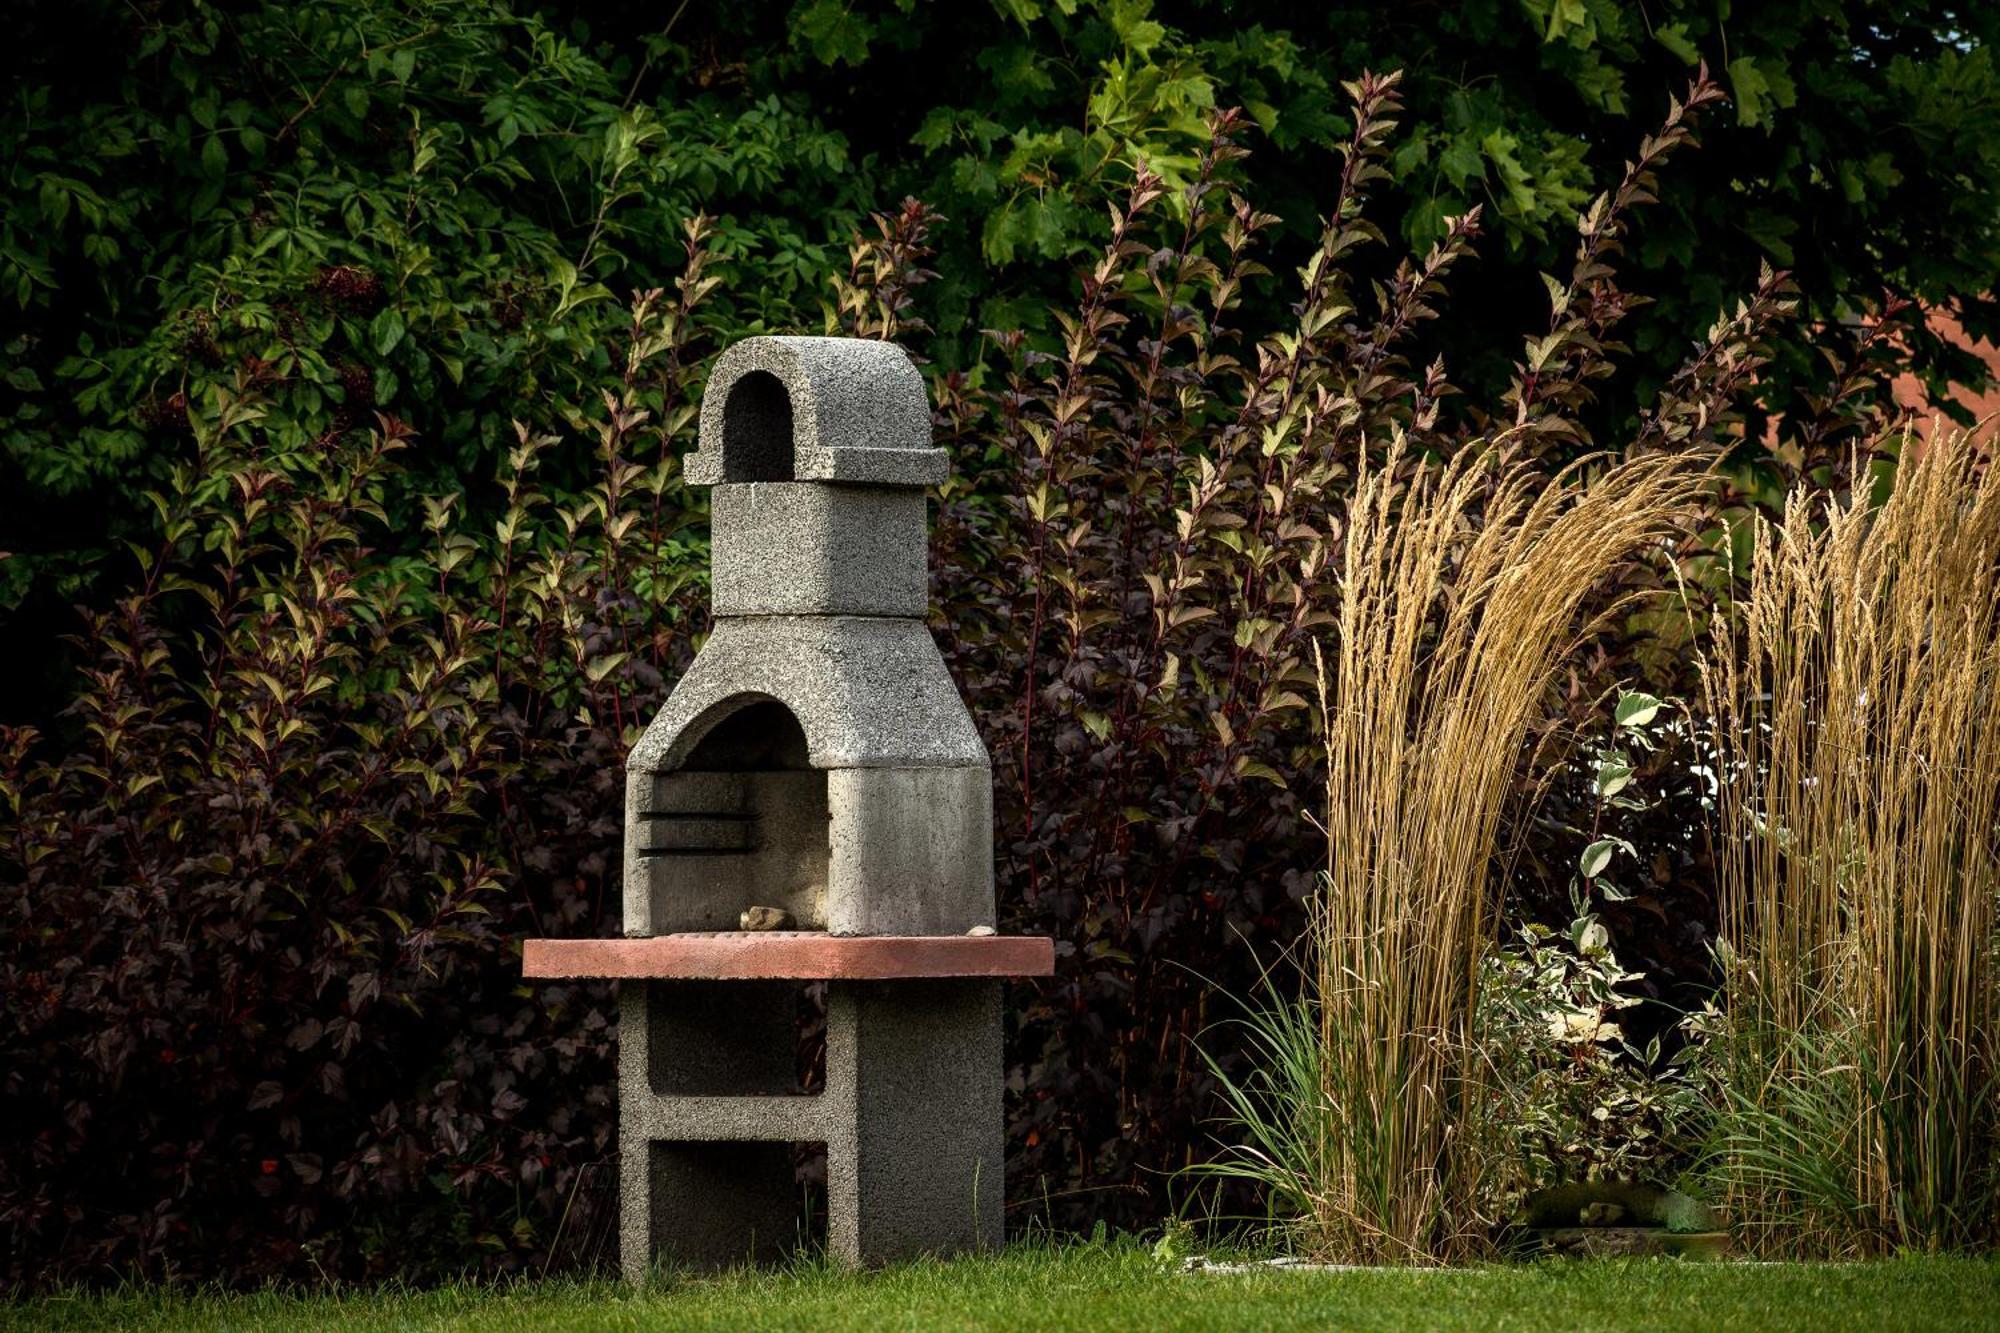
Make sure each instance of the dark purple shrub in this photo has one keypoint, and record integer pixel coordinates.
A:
(265, 1015)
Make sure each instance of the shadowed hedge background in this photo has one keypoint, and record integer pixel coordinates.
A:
(344, 548)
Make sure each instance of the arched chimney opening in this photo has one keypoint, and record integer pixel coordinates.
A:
(757, 429)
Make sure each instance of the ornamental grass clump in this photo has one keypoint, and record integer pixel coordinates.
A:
(1858, 700)
(1462, 589)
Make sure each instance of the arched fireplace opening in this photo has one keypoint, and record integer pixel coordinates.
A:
(743, 823)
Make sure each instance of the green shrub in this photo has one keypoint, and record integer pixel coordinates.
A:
(1860, 149)
(1569, 1095)
(416, 206)
(430, 210)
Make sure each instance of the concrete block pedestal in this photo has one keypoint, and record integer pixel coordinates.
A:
(711, 1110)
(815, 766)
(909, 1119)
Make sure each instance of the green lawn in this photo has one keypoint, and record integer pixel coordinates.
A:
(1123, 1286)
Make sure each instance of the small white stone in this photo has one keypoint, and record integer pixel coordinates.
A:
(981, 931)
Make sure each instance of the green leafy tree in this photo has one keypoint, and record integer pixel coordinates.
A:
(415, 209)
(1862, 149)
(420, 209)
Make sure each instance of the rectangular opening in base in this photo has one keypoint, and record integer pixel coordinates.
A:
(721, 1204)
(737, 1038)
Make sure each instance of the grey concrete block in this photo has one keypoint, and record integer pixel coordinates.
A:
(912, 850)
(795, 548)
(868, 693)
(910, 1118)
(816, 409)
(917, 1168)
(727, 1119)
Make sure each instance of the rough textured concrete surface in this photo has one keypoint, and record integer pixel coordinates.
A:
(796, 548)
(910, 1118)
(918, 1166)
(815, 760)
(912, 848)
(869, 692)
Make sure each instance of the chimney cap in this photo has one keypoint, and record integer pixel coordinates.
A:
(850, 410)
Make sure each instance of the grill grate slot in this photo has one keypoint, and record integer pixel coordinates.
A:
(698, 833)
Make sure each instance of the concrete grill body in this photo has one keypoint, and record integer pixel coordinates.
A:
(816, 759)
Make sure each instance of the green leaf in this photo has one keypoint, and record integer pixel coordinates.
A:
(1772, 231)
(1565, 15)
(1501, 149)
(1425, 222)
(831, 31)
(1247, 767)
(598, 668)
(1590, 936)
(1759, 87)
(386, 330)
(1600, 83)
(1674, 37)
(1596, 857)
(1138, 33)
(1612, 778)
(936, 129)
(1461, 162)
(1636, 709)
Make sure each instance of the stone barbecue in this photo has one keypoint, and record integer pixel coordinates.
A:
(812, 804)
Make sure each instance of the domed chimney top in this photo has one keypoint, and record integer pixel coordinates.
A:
(844, 410)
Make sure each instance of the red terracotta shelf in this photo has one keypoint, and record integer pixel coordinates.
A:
(791, 956)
